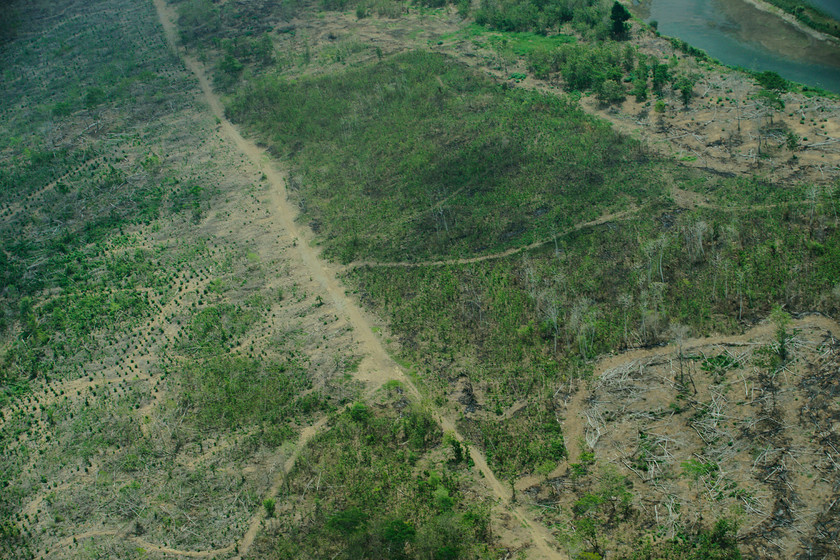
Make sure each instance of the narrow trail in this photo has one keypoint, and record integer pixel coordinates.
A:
(513, 251)
(682, 198)
(573, 425)
(256, 521)
(765, 329)
(147, 546)
(377, 367)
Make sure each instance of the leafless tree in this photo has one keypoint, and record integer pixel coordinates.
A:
(678, 334)
(657, 249)
(625, 301)
(552, 311)
(582, 321)
(694, 234)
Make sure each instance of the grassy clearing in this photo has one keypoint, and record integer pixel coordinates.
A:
(520, 43)
(417, 157)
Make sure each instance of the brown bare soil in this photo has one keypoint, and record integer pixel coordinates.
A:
(746, 440)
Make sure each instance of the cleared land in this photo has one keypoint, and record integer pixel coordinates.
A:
(369, 284)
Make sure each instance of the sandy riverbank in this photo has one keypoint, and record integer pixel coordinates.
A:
(791, 19)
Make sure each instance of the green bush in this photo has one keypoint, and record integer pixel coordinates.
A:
(541, 16)
(233, 392)
(718, 544)
(197, 20)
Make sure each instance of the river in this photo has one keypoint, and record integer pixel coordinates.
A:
(831, 7)
(739, 34)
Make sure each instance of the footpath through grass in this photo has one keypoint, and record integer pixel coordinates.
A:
(418, 157)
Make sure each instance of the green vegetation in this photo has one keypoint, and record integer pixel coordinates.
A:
(383, 491)
(696, 469)
(385, 173)
(810, 15)
(202, 22)
(585, 16)
(229, 393)
(162, 351)
(603, 69)
(782, 320)
(597, 511)
(619, 16)
(718, 365)
(64, 200)
(499, 316)
(520, 43)
(718, 544)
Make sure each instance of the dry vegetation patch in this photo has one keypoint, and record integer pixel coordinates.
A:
(705, 430)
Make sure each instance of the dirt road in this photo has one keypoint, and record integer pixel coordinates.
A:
(377, 367)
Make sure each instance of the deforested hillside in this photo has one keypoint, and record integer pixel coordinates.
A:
(161, 348)
(410, 280)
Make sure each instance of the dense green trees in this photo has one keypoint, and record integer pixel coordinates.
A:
(619, 16)
(719, 543)
(382, 494)
(640, 80)
(9, 22)
(542, 16)
(603, 68)
(772, 81)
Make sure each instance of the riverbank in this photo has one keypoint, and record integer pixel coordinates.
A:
(793, 20)
(749, 34)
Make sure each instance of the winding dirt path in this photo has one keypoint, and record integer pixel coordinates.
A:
(147, 546)
(513, 251)
(377, 367)
(763, 329)
(254, 526)
(682, 198)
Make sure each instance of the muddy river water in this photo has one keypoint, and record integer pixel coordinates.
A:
(739, 34)
(831, 7)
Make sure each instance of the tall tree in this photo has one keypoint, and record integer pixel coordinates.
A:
(619, 16)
